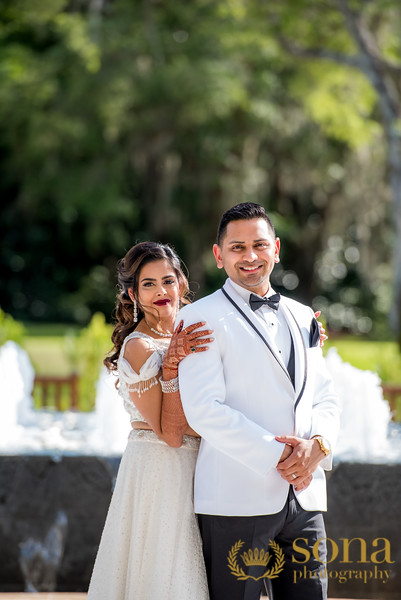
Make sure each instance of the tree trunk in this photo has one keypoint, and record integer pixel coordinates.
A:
(376, 69)
(394, 160)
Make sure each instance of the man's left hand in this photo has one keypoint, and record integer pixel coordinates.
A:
(298, 468)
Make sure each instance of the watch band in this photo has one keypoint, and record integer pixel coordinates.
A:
(323, 448)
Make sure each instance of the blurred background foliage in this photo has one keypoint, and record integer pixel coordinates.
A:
(122, 121)
(10, 329)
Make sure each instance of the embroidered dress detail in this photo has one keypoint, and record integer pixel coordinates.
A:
(142, 386)
(143, 435)
(147, 377)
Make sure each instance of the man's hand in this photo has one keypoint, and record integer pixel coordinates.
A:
(302, 485)
(286, 453)
(301, 462)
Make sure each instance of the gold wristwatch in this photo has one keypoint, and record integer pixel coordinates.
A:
(323, 443)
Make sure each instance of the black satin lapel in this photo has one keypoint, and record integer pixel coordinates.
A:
(299, 332)
(264, 340)
(314, 334)
(291, 362)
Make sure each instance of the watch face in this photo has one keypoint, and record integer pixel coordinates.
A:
(326, 444)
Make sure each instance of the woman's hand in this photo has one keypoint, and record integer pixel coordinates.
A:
(323, 335)
(186, 341)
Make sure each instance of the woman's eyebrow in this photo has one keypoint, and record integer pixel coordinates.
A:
(152, 279)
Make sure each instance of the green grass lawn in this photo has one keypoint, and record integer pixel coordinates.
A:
(48, 355)
(49, 347)
(60, 351)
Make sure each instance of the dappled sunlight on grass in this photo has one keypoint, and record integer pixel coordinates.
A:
(48, 355)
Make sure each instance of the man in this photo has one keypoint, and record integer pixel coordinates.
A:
(264, 405)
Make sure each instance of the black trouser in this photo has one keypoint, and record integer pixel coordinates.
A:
(300, 576)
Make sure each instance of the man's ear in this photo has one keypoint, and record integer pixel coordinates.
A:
(217, 255)
(277, 250)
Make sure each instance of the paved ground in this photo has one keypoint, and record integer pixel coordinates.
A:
(52, 596)
(65, 596)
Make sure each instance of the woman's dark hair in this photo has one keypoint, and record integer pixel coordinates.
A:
(128, 271)
(245, 210)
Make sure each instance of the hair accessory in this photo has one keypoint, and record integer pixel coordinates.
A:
(135, 312)
(170, 386)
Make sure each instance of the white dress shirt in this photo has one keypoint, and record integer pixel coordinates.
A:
(273, 322)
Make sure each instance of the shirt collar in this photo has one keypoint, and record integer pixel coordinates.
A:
(245, 294)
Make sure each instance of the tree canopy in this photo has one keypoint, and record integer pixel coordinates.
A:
(122, 121)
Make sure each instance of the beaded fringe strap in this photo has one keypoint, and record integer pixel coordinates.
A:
(142, 386)
(170, 386)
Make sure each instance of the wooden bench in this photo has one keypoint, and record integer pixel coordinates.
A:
(48, 391)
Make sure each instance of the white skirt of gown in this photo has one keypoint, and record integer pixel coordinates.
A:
(151, 547)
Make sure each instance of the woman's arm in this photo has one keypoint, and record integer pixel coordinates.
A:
(173, 418)
(163, 410)
(183, 342)
(148, 402)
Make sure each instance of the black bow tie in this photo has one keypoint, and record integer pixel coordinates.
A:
(255, 302)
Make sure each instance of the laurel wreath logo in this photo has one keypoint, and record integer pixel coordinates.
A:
(239, 573)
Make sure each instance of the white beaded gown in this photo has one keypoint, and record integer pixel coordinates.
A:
(150, 547)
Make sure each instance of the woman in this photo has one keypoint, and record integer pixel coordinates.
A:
(150, 547)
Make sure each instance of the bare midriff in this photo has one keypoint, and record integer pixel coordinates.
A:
(147, 427)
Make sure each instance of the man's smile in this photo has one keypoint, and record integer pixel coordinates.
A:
(251, 269)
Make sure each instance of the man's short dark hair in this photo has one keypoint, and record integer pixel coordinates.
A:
(243, 211)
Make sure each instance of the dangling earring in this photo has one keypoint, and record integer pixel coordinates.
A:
(135, 312)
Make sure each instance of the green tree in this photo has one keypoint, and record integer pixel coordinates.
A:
(354, 88)
(124, 121)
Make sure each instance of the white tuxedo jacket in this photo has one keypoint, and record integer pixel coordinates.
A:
(238, 396)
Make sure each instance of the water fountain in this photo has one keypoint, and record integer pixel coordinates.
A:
(367, 433)
(57, 472)
(24, 430)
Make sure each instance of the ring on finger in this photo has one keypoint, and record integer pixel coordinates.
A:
(293, 476)
(193, 349)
